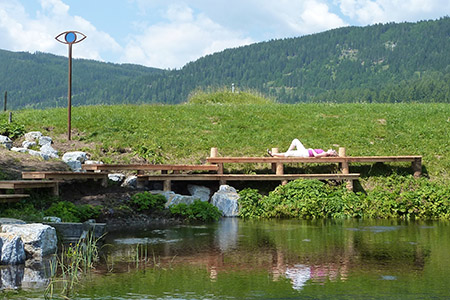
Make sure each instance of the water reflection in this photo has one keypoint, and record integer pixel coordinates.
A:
(237, 259)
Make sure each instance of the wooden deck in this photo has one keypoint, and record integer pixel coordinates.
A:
(5, 198)
(148, 167)
(19, 185)
(63, 175)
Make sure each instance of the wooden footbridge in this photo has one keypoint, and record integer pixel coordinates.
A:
(214, 170)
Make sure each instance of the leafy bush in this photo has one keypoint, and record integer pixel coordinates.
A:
(395, 197)
(69, 212)
(148, 201)
(12, 130)
(197, 211)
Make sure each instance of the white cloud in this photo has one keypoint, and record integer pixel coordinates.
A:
(382, 11)
(21, 32)
(184, 36)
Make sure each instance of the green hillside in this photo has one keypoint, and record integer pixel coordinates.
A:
(405, 62)
(185, 133)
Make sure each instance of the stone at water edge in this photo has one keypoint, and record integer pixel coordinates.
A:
(39, 239)
(12, 250)
(226, 200)
(199, 192)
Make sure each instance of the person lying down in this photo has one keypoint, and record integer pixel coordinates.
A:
(296, 149)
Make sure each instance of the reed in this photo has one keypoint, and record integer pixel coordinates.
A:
(74, 261)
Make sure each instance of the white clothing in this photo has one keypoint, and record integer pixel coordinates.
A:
(300, 151)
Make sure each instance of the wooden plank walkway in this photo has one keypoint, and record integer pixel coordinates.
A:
(5, 198)
(148, 167)
(18, 185)
(63, 175)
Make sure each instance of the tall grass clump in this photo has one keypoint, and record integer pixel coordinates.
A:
(74, 261)
(226, 96)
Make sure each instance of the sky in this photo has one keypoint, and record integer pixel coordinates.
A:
(168, 34)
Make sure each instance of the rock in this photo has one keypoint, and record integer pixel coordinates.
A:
(52, 219)
(11, 277)
(32, 136)
(12, 249)
(74, 165)
(74, 156)
(48, 150)
(226, 200)
(116, 177)
(177, 199)
(6, 142)
(34, 279)
(39, 239)
(199, 192)
(4, 221)
(20, 149)
(38, 153)
(45, 140)
(130, 182)
(28, 144)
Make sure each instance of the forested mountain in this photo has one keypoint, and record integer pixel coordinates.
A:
(380, 63)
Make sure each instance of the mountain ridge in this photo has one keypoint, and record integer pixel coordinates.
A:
(394, 62)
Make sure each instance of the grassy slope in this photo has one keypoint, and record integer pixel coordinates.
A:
(185, 133)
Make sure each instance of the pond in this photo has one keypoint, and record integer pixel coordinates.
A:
(282, 259)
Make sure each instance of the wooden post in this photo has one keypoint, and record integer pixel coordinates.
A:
(274, 165)
(345, 168)
(10, 117)
(6, 98)
(167, 185)
(417, 167)
(220, 170)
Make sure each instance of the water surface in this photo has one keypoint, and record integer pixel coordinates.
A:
(236, 259)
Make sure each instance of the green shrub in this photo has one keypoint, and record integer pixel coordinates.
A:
(197, 211)
(12, 130)
(148, 201)
(69, 212)
(395, 196)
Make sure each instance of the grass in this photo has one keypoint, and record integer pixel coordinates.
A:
(185, 133)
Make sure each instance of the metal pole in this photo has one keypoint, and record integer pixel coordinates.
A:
(69, 96)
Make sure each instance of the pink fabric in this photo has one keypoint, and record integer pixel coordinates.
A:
(318, 151)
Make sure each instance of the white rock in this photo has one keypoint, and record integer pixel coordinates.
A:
(52, 219)
(226, 200)
(32, 136)
(12, 249)
(199, 192)
(11, 276)
(116, 177)
(28, 144)
(40, 154)
(93, 162)
(47, 149)
(75, 156)
(39, 239)
(130, 181)
(74, 165)
(177, 199)
(34, 279)
(45, 140)
(19, 149)
(6, 142)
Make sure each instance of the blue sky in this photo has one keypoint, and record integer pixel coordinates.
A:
(170, 33)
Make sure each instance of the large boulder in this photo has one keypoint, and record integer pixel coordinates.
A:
(116, 177)
(199, 192)
(39, 239)
(12, 250)
(226, 200)
(38, 153)
(28, 144)
(6, 142)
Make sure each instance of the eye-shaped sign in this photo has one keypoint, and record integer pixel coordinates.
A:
(70, 37)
